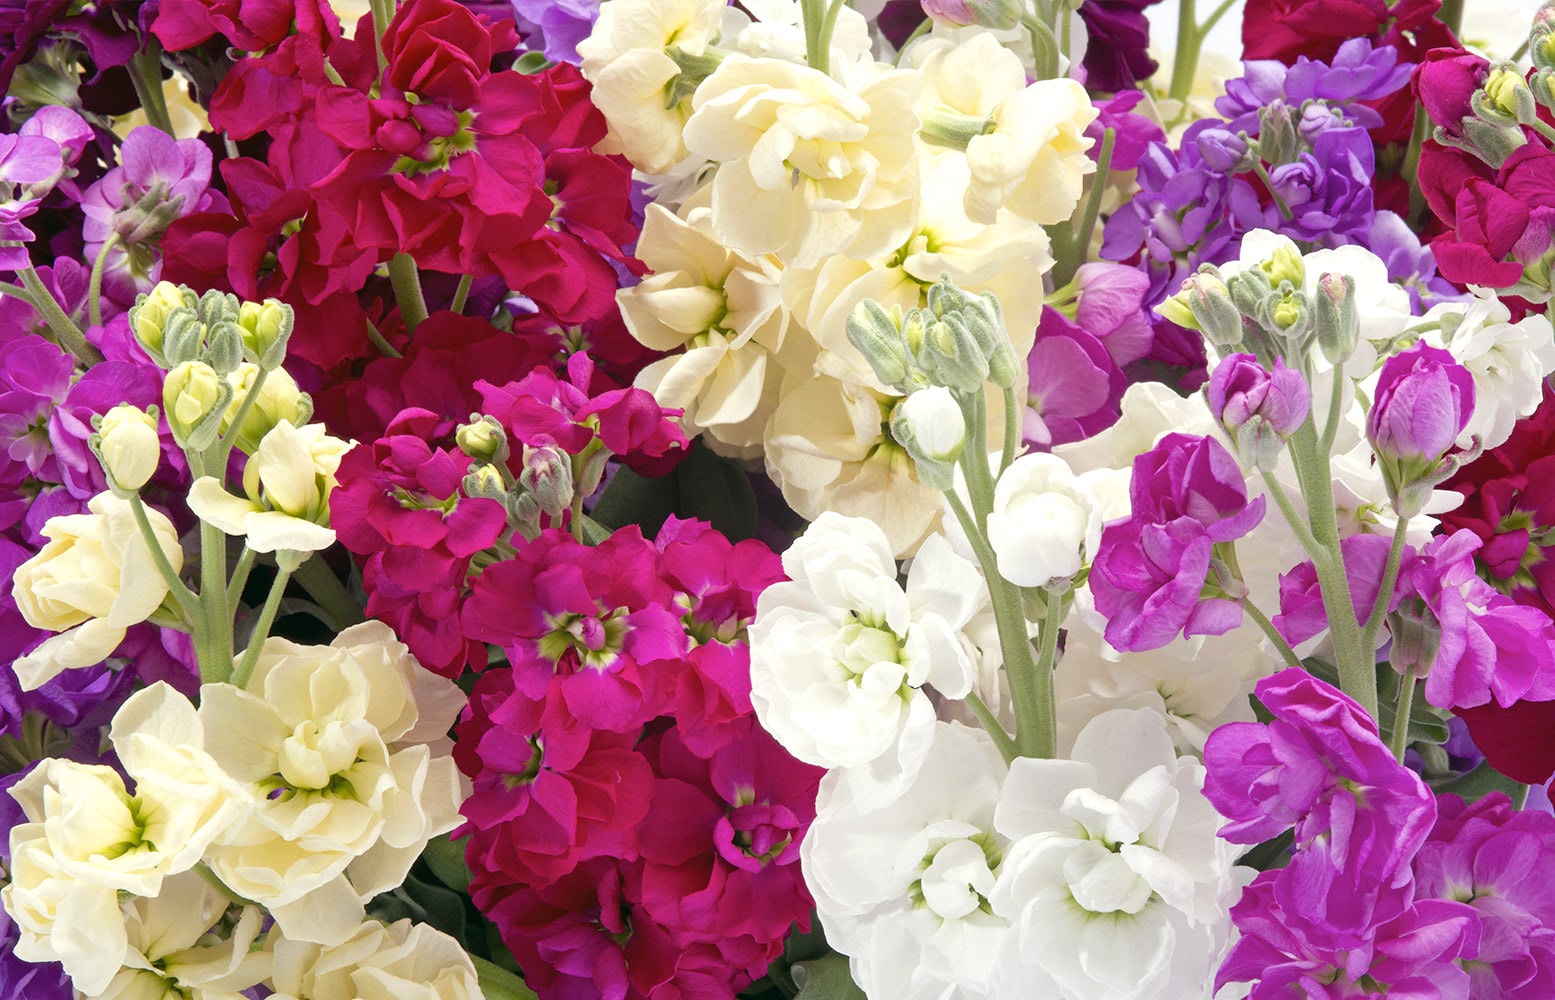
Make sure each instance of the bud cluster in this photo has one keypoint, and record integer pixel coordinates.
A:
(176, 326)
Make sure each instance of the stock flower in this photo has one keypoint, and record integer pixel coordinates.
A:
(94, 578)
(840, 655)
(1073, 384)
(1423, 401)
(287, 482)
(1509, 362)
(808, 167)
(1114, 882)
(1241, 388)
(1045, 525)
(97, 392)
(402, 959)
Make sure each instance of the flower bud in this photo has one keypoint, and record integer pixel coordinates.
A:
(483, 439)
(1541, 40)
(1336, 319)
(279, 399)
(877, 334)
(1416, 638)
(150, 314)
(223, 347)
(1504, 99)
(1248, 290)
(998, 15)
(485, 481)
(547, 475)
(267, 328)
(1277, 134)
(195, 398)
(931, 429)
(127, 445)
(1287, 313)
(951, 356)
(1205, 302)
(1285, 264)
(1241, 389)
(217, 307)
(1423, 401)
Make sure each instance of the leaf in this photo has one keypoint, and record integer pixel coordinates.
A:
(1479, 783)
(634, 499)
(498, 983)
(716, 490)
(826, 979)
(446, 859)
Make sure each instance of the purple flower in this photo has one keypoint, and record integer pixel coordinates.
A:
(1359, 816)
(1117, 55)
(1132, 133)
(1494, 858)
(1302, 614)
(159, 179)
(1187, 475)
(1111, 307)
(19, 978)
(1423, 401)
(1241, 389)
(1073, 384)
(34, 378)
(1410, 264)
(1327, 191)
(1358, 73)
(564, 23)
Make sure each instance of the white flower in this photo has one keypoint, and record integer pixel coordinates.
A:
(287, 480)
(129, 446)
(1116, 884)
(178, 950)
(628, 59)
(935, 423)
(904, 889)
(93, 579)
(724, 308)
(839, 656)
(1149, 411)
(345, 776)
(403, 961)
(1044, 526)
(1509, 362)
(808, 166)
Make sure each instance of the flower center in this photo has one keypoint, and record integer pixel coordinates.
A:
(593, 641)
(957, 877)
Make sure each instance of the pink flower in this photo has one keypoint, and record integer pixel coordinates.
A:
(251, 25)
(1073, 384)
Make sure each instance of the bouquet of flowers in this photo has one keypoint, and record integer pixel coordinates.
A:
(687, 499)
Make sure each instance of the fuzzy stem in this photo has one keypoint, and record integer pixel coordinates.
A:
(245, 669)
(406, 280)
(63, 327)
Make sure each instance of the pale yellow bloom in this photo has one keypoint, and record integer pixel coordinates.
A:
(279, 399)
(129, 447)
(287, 480)
(403, 960)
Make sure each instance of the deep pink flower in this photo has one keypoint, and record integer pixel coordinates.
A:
(1073, 384)
(1194, 476)
(251, 25)
(1445, 81)
(419, 593)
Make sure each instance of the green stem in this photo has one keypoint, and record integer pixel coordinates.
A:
(383, 13)
(1044, 741)
(1398, 739)
(1543, 129)
(1012, 428)
(1093, 202)
(1278, 641)
(64, 328)
(329, 593)
(15, 292)
(1215, 16)
(145, 69)
(1379, 607)
(1451, 14)
(94, 288)
(181, 593)
(214, 649)
(1298, 524)
(1001, 739)
(1335, 410)
(828, 28)
(376, 337)
(221, 451)
(1044, 46)
(1263, 175)
(462, 293)
(917, 33)
(1185, 60)
(262, 628)
(239, 579)
(1411, 168)
(407, 290)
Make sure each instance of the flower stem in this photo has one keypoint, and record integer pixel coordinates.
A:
(250, 659)
(383, 13)
(1001, 739)
(1012, 429)
(94, 289)
(1278, 641)
(1093, 202)
(214, 649)
(1451, 14)
(69, 335)
(181, 593)
(462, 293)
(1398, 740)
(329, 593)
(1185, 59)
(239, 579)
(376, 337)
(407, 290)
(145, 69)
(820, 21)
(216, 460)
(1379, 607)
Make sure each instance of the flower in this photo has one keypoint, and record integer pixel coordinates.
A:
(1045, 525)
(1033, 161)
(288, 481)
(1114, 882)
(1423, 401)
(840, 654)
(1445, 82)
(94, 578)
(1509, 362)
(839, 176)
(129, 448)
(402, 959)
(1073, 383)
(1240, 388)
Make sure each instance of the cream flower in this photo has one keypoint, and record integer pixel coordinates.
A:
(86, 838)
(1045, 525)
(1116, 883)
(279, 399)
(840, 655)
(287, 480)
(1008, 258)
(178, 949)
(724, 309)
(404, 961)
(809, 167)
(129, 447)
(93, 579)
(630, 58)
(343, 772)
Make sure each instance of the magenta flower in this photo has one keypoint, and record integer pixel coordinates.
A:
(1112, 308)
(1302, 614)
(1241, 388)
(1446, 82)
(1073, 384)
(1424, 399)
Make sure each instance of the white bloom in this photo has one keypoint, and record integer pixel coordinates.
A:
(129, 446)
(628, 59)
(904, 889)
(840, 654)
(93, 579)
(1116, 884)
(1509, 362)
(346, 776)
(403, 961)
(177, 948)
(287, 480)
(775, 30)
(809, 167)
(1149, 411)
(1044, 525)
(935, 423)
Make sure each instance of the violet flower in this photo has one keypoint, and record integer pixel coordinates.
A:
(102, 388)
(1241, 389)
(1423, 401)
(1327, 192)
(1118, 54)
(562, 23)
(34, 379)
(1073, 384)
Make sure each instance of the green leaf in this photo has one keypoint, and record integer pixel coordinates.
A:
(716, 490)
(446, 859)
(498, 983)
(634, 499)
(826, 979)
(1479, 783)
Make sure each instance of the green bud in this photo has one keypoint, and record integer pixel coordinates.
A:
(1278, 138)
(485, 481)
(1287, 312)
(1541, 41)
(224, 347)
(877, 334)
(952, 357)
(1206, 303)
(150, 314)
(183, 337)
(195, 398)
(1285, 265)
(1539, 84)
(953, 130)
(1508, 93)
(267, 328)
(216, 307)
(1249, 289)
(1491, 143)
(1337, 322)
(1416, 638)
(1258, 444)
(483, 439)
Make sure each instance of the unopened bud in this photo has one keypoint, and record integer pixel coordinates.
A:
(483, 439)
(194, 399)
(485, 481)
(1337, 321)
(183, 337)
(278, 399)
(267, 328)
(932, 430)
(951, 355)
(223, 347)
(547, 475)
(1205, 302)
(1285, 264)
(998, 15)
(877, 334)
(217, 307)
(1277, 134)
(149, 315)
(1288, 313)
(1416, 638)
(127, 445)
(1248, 290)
(1505, 98)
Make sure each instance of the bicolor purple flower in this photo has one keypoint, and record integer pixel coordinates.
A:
(1241, 389)
(1494, 858)
(1302, 613)
(1358, 815)
(1423, 401)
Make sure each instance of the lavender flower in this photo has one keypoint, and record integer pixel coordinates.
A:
(562, 23)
